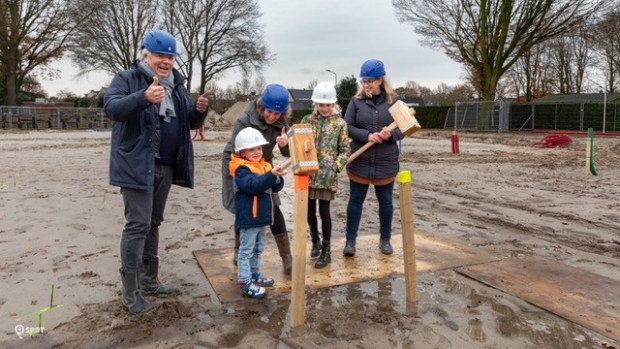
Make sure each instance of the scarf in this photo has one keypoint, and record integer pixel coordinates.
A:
(166, 107)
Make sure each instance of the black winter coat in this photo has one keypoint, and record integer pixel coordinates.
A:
(363, 117)
(135, 131)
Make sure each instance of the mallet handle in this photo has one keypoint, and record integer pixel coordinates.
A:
(391, 127)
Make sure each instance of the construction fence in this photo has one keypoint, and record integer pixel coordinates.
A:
(53, 118)
(501, 116)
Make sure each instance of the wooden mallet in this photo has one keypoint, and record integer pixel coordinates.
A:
(404, 119)
(303, 153)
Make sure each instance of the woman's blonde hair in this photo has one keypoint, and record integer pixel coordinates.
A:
(389, 92)
(260, 110)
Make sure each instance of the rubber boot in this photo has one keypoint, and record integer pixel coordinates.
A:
(284, 247)
(325, 258)
(316, 244)
(149, 282)
(132, 296)
(237, 244)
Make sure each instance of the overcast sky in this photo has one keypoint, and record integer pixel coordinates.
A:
(309, 37)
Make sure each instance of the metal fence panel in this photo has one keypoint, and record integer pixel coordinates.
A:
(53, 118)
(494, 115)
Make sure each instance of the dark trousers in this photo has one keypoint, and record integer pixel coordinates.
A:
(326, 219)
(357, 195)
(144, 212)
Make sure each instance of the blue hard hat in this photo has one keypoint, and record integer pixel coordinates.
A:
(159, 41)
(275, 98)
(372, 69)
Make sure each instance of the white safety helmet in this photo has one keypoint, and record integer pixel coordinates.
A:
(324, 93)
(249, 138)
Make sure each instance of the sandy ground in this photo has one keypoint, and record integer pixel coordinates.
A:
(61, 223)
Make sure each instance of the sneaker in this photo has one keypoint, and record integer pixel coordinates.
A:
(385, 246)
(349, 248)
(260, 280)
(251, 290)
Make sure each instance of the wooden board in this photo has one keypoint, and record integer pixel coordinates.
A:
(432, 252)
(585, 298)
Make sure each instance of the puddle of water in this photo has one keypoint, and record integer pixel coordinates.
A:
(491, 318)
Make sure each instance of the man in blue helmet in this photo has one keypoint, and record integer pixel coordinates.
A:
(268, 114)
(151, 150)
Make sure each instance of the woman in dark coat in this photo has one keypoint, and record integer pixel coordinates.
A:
(367, 117)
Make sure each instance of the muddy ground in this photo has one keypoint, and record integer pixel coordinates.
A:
(61, 224)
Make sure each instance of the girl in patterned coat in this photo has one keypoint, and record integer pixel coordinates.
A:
(332, 145)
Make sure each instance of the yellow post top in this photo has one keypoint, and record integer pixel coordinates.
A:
(404, 176)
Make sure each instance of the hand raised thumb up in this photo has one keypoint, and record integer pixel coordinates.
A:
(155, 81)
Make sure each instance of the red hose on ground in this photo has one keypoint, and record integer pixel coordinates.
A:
(553, 141)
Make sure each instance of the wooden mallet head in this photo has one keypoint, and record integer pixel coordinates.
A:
(404, 118)
(303, 152)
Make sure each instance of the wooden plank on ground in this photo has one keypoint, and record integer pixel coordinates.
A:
(432, 253)
(585, 298)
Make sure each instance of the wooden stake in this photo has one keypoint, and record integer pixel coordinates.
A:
(407, 228)
(298, 285)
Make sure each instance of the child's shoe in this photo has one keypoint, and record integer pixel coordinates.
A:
(260, 280)
(252, 290)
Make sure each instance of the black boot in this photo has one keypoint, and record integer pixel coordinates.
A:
(237, 244)
(284, 247)
(149, 282)
(316, 244)
(325, 258)
(132, 296)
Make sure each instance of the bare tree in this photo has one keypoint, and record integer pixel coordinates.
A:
(244, 86)
(111, 38)
(607, 48)
(532, 75)
(259, 84)
(488, 36)
(570, 56)
(231, 38)
(312, 84)
(186, 24)
(32, 34)
(230, 92)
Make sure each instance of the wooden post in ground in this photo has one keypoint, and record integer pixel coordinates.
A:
(298, 285)
(407, 228)
(303, 161)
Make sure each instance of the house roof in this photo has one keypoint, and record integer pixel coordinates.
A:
(301, 105)
(577, 98)
(300, 94)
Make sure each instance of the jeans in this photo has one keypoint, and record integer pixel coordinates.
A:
(357, 196)
(144, 212)
(252, 244)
